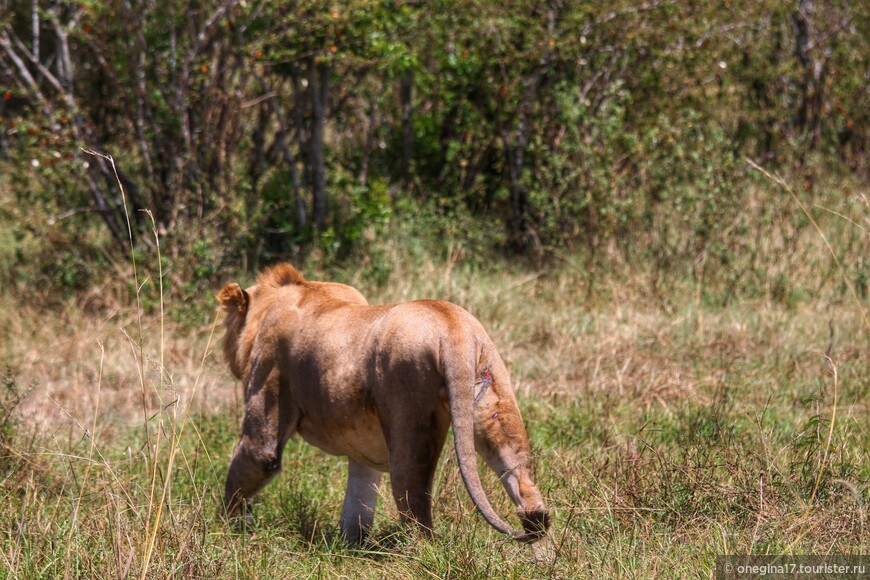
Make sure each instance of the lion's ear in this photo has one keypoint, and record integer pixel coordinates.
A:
(233, 298)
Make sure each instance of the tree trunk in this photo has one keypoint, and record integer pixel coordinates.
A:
(519, 198)
(406, 94)
(319, 90)
(800, 21)
(299, 147)
(374, 120)
(814, 58)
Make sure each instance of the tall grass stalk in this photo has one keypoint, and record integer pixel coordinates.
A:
(177, 428)
(782, 183)
(832, 369)
(141, 366)
(174, 447)
(152, 455)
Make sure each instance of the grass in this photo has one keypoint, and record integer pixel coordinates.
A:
(669, 427)
(665, 436)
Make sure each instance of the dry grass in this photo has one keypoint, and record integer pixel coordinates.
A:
(63, 355)
(665, 436)
(669, 428)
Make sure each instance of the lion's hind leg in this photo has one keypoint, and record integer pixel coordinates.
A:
(414, 454)
(360, 500)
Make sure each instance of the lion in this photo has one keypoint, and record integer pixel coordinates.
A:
(379, 384)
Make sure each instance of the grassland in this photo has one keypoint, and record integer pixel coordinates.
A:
(669, 426)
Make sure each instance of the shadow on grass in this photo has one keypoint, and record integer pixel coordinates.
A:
(312, 526)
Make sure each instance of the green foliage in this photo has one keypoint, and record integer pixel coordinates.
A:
(365, 216)
(611, 131)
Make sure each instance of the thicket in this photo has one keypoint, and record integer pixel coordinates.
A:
(254, 131)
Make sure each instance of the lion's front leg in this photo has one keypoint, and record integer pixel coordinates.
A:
(360, 500)
(251, 468)
(269, 422)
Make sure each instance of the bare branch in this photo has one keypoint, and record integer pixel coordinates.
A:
(23, 71)
(35, 26)
(646, 7)
(52, 79)
(723, 31)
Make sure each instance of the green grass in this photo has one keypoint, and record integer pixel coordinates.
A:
(666, 432)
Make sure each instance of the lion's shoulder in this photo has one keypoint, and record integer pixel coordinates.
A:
(338, 293)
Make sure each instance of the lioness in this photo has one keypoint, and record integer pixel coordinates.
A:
(379, 384)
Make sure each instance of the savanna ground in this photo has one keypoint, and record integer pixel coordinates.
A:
(673, 417)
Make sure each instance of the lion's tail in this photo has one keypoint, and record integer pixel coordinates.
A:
(460, 378)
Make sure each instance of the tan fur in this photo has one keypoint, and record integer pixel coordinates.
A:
(379, 384)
